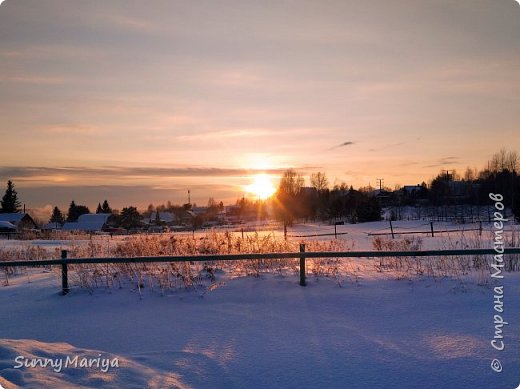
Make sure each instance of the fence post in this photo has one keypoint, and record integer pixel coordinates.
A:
(302, 265)
(431, 227)
(335, 231)
(480, 228)
(64, 274)
(392, 229)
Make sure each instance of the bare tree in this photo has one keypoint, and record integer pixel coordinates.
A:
(504, 160)
(291, 183)
(319, 181)
(470, 174)
(512, 161)
(286, 203)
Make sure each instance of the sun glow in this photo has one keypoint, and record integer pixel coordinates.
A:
(261, 187)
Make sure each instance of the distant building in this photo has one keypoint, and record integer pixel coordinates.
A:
(168, 218)
(188, 217)
(7, 227)
(381, 193)
(52, 226)
(410, 189)
(158, 229)
(90, 222)
(21, 221)
(383, 196)
(198, 210)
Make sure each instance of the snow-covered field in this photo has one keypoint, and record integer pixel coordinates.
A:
(359, 235)
(268, 332)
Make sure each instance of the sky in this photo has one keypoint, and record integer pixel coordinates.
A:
(139, 101)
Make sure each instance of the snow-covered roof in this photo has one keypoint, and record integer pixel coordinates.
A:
(166, 217)
(199, 210)
(88, 222)
(191, 213)
(381, 193)
(12, 217)
(411, 188)
(6, 225)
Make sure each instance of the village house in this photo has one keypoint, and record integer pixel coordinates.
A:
(20, 221)
(90, 222)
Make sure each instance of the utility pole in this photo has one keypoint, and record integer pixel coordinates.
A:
(380, 181)
(448, 174)
(448, 192)
(513, 182)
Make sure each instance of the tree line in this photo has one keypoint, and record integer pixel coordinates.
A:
(128, 217)
(295, 201)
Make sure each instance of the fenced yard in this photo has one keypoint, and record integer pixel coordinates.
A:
(134, 268)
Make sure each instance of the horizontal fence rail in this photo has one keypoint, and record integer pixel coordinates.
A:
(302, 255)
(397, 232)
(252, 256)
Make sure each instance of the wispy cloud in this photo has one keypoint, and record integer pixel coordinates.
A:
(69, 129)
(98, 85)
(443, 162)
(388, 146)
(136, 195)
(344, 144)
(34, 172)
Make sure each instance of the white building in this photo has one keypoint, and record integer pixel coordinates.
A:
(90, 222)
(164, 217)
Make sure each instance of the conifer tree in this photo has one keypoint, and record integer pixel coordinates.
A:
(75, 211)
(57, 216)
(10, 202)
(106, 208)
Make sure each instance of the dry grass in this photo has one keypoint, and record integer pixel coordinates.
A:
(401, 266)
(195, 275)
(163, 277)
(454, 266)
(21, 253)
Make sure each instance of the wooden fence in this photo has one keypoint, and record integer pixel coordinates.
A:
(64, 261)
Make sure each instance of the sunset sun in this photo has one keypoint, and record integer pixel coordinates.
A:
(261, 187)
